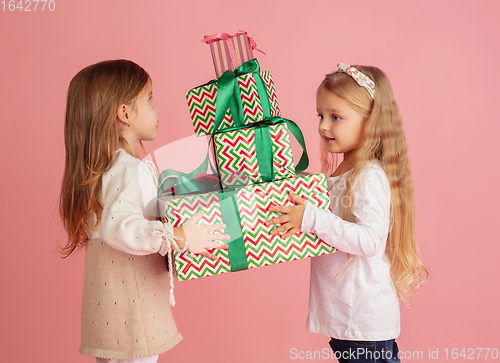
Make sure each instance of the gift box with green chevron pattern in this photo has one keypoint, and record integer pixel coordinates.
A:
(245, 210)
(237, 157)
(202, 102)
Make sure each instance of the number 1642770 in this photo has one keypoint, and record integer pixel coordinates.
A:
(28, 5)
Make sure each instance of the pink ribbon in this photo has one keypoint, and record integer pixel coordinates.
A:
(225, 36)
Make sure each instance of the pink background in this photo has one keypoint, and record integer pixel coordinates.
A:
(442, 58)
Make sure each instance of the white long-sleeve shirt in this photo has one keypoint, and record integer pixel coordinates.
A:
(128, 219)
(358, 301)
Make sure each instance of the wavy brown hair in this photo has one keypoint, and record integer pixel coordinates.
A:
(383, 140)
(91, 139)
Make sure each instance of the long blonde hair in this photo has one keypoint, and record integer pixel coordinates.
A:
(383, 140)
(91, 139)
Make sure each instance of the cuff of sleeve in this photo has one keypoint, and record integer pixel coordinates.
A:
(169, 240)
(308, 219)
(164, 248)
(163, 231)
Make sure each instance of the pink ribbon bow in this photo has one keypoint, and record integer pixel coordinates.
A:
(225, 36)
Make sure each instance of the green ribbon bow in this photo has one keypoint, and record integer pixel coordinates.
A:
(229, 96)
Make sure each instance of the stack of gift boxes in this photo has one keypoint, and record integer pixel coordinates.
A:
(254, 167)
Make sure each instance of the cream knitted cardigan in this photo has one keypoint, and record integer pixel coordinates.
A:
(125, 307)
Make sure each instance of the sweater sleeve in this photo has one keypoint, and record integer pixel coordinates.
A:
(124, 225)
(367, 234)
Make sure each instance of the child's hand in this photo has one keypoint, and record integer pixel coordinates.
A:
(291, 220)
(199, 239)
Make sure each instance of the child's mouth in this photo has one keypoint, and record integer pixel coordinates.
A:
(329, 138)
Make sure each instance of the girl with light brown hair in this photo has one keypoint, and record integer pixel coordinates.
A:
(108, 206)
(354, 291)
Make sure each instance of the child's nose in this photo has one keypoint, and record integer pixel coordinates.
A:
(323, 125)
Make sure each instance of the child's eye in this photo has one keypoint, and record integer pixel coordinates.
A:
(336, 117)
(320, 116)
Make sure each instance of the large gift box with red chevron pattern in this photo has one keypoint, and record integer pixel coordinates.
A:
(202, 101)
(245, 210)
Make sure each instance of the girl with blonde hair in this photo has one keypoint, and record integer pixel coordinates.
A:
(108, 206)
(354, 292)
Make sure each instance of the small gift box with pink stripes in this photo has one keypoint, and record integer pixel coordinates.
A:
(230, 51)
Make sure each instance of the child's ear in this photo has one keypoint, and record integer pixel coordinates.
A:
(123, 114)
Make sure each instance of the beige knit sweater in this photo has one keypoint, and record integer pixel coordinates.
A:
(125, 307)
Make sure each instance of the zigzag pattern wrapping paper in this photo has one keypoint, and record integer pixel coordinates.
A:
(261, 247)
(177, 212)
(202, 101)
(237, 156)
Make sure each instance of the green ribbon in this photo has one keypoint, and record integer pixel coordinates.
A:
(231, 217)
(264, 152)
(229, 95)
(186, 183)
